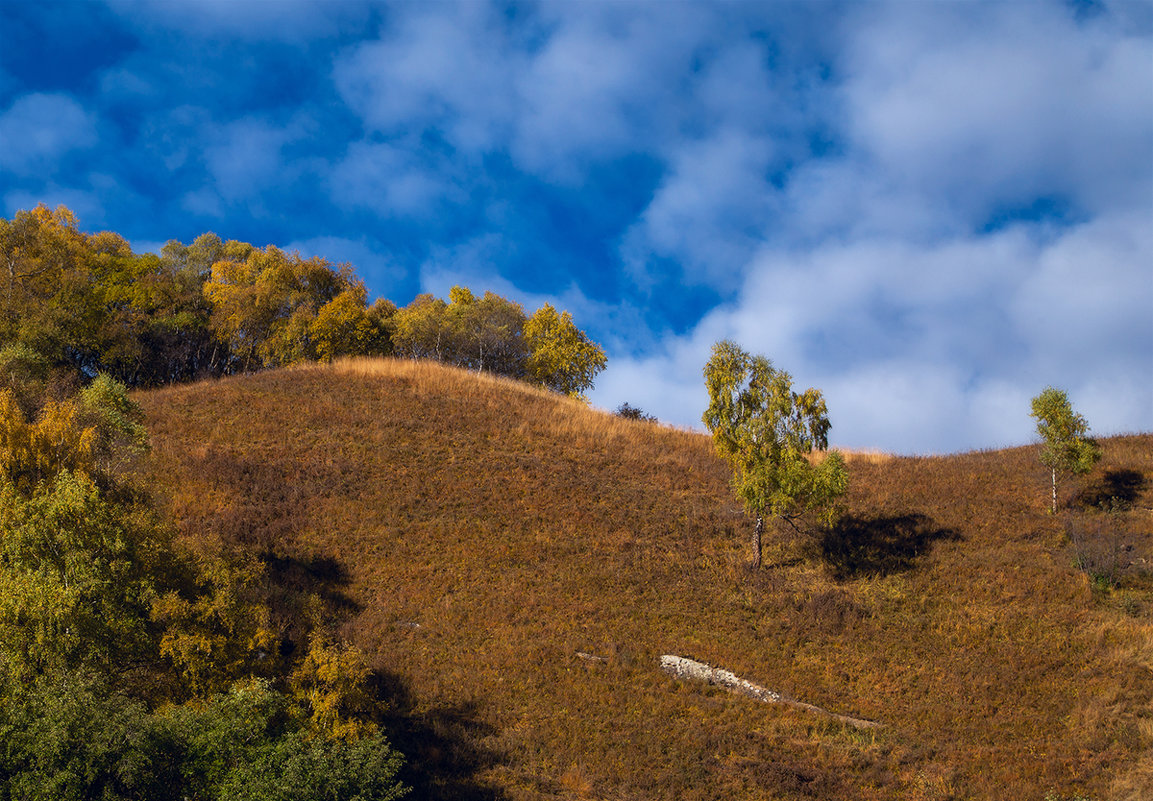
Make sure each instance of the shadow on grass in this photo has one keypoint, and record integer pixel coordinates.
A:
(303, 593)
(871, 546)
(321, 576)
(442, 747)
(1121, 487)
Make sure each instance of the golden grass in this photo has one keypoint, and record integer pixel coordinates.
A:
(479, 533)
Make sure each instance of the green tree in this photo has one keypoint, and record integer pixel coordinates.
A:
(489, 332)
(561, 356)
(46, 301)
(767, 433)
(248, 745)
(75, 738)
(421, 330)
(1067, 447)
(78, 561)
(485, 333)
(345, 326)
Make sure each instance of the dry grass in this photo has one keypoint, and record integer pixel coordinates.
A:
(476, 534)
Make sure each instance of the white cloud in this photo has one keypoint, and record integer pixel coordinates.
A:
(390, 180)
(709, 211)
(931, 348)
(975, 106)
(38, 129)
(447, 68)
(560, 87)
(1088, 302)
(244, 157)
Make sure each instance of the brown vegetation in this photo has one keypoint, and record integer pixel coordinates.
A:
(475, 534)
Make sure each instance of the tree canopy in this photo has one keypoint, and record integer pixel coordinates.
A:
(493, 334)
(767, 433)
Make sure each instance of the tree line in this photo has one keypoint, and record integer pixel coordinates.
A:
(89, 306)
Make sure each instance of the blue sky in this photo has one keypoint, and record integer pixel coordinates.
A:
(930, 211)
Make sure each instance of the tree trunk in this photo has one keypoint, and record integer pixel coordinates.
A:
(1054, 472)
(758, 529)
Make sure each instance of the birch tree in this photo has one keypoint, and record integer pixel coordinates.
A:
(767, 433)
(1067, 446)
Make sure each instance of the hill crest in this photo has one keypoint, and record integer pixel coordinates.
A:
(479, 533)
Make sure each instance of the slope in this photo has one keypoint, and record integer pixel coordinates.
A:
(477, 537)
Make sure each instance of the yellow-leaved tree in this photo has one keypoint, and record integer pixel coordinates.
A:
(265, 307)
(561, 356)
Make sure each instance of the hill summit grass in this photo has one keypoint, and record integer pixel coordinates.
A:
(514, 564)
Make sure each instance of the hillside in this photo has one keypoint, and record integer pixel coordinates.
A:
(476, 536)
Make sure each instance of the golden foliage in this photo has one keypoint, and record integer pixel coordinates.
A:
(218, 633)
(331, 683)
(31, 452)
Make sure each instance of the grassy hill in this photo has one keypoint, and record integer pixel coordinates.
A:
(477, 537)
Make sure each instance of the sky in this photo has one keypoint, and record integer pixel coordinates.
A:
(928, 210)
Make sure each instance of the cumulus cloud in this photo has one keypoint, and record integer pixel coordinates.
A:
(245, 158)
(995, 105)
(391, 180)
(708, 214)
(923, 348)
(37, 129)
(440, 67)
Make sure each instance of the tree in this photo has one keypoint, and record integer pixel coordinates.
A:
(489, 332)
(1067, 446)
(767, 432)
(79, 563)
(634, 413)
(561, 356)
(421, 329)
(345, 326)
(264, 307)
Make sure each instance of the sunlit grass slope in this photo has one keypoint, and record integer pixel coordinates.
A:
(481, 535)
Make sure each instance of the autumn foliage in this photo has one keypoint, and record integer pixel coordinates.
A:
(85, 304)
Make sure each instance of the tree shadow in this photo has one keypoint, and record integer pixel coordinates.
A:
(859, 546)
(303, 593)
(442, 746)
(1116, 488)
